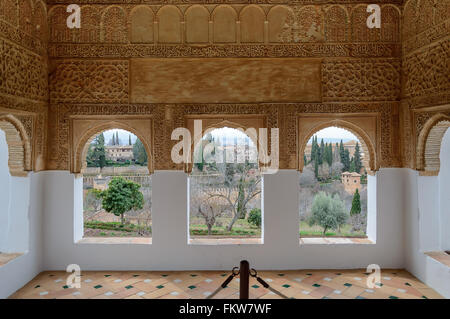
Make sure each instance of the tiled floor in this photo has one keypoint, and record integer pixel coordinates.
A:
(299, 284)
(6, 258)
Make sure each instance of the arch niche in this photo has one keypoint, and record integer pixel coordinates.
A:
(19, 146)
(210, 123)
(429, 144)
(367, 141)
(85, 130)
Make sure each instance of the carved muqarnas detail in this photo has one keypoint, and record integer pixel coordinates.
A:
(90, 81)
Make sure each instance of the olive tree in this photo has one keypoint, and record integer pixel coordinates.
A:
(328, 212)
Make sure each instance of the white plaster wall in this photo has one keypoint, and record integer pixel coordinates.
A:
(21, 270)
(420, 232)
(5, 193)
(428, 205)
(170, 250)
(444, 192)
(20, 224)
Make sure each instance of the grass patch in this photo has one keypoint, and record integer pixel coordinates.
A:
(317, 231)
(116, 226)
(241, 228)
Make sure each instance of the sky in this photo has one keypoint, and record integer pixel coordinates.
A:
(230, 134)
(334, 133)
(123, 136)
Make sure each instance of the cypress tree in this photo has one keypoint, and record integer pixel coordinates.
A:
(346, 160)
(313, 149)
(321, 152)
(356, 204)
(129, 139)
(342, 152)
(357, 159)
(316, 169)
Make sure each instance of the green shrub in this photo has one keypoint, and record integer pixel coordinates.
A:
(254, 217)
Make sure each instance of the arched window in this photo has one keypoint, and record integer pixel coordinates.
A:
(14, 200)
(333, 186)
(225, 189)
(116, 189)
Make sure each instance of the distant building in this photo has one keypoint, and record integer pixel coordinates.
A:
(100, 183)
(119, 153)
(351, 181)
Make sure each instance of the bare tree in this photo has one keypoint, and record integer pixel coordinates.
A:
(209, 214)
(235, 184)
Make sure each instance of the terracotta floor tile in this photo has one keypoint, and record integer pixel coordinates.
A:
(198, 284)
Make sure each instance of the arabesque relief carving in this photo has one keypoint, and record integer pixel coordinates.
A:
(426, 79)
(24, 83)
(201, 24)
(397, 75)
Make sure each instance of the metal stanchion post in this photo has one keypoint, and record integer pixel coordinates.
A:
(244, 280)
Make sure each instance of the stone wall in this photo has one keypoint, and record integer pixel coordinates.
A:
(24, 79)
(425, 77)
(397, 74)
(95, 70)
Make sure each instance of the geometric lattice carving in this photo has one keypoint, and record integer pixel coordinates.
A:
(336, 24)
(89, 81)
(19, 148)
(376, 80)
(360, 31)
(114, 25)
(40, 21)
(304, 25)
(22, 73)
(427, 71)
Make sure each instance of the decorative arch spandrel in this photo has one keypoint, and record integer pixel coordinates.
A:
(365, 128)
(83, 131)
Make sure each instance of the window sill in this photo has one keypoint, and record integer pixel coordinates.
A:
(6, 258)
(439, 256)
(334, 241)
(225, 241)
(116, 240)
